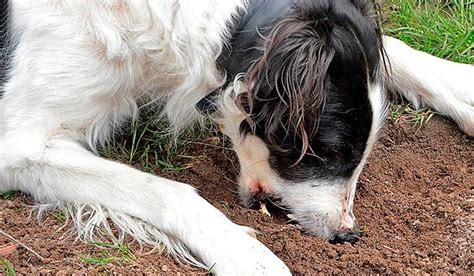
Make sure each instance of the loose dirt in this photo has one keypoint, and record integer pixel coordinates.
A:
(414, 202)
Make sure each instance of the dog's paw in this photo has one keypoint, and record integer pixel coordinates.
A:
(447, 87)
(461, 97)
(247, 256)
(466, 123)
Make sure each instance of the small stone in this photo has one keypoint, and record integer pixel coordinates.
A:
(332, 253)
(291, 217)
(263, 209)
(164, 268)
(213, 140)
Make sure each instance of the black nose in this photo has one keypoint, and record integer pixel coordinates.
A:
(351, 237)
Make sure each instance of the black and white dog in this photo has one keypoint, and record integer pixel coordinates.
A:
(299, 87)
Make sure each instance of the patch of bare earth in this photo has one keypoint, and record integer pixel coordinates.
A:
(414, 201)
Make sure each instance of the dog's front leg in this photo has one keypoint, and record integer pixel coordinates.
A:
(64, 172)
(424, 80)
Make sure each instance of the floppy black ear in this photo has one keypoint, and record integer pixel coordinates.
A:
(322, 48)
(287, 83)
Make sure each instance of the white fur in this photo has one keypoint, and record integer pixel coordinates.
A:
(77, 73)
(380, 108)
(79, 70)
(426, 80)
(92, 224)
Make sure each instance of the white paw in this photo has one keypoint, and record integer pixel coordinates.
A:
(462, 96)
(466, 123)
(447, 87)
(426, 80)
(247, 256)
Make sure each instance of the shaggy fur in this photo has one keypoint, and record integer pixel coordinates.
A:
(76, 71)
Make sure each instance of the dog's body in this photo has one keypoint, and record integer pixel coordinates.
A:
(76, 71)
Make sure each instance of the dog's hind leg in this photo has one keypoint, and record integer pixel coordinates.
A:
(425, 80)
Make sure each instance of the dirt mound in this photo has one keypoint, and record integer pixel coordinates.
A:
(414, 202)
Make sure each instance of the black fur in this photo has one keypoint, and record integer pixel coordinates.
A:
(4, 30)
(343, 121)
(245, 44)
(346, 118)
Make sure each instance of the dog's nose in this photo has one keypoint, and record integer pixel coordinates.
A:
(351, 236)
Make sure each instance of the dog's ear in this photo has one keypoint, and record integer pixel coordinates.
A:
(286, 85)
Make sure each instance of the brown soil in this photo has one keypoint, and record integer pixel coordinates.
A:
(414, 201)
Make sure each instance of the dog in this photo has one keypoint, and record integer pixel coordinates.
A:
(299, 87)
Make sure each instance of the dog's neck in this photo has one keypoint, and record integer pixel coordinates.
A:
(246, 42)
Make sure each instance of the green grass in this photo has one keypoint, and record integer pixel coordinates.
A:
(60, 216)
(444, 28)
(418, 117)
(149, 146)
(111, 253)
(8, 195)
(6, 268)
(100, 261)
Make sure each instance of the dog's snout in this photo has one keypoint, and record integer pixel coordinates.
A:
(350, 236)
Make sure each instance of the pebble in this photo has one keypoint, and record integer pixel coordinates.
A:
(332, 254)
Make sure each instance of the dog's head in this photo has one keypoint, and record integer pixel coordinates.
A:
(306, 112)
